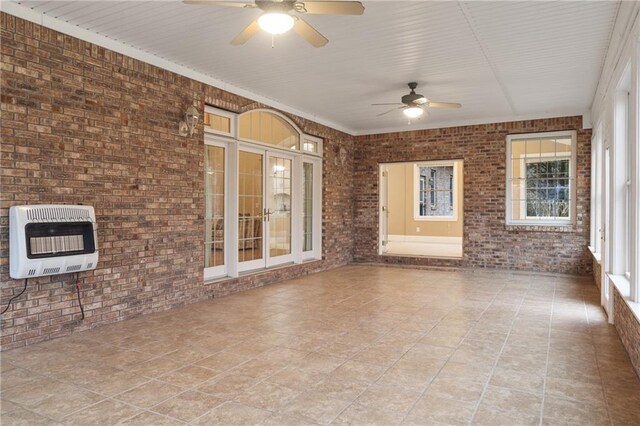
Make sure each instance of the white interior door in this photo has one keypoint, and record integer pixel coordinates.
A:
(383, 210)
(278, 208)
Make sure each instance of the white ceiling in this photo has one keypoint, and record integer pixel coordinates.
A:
(501, 60)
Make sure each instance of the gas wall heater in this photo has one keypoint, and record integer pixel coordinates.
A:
(51, 239)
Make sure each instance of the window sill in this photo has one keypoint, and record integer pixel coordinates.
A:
(569, 228)
(623, 286)
(596, 256)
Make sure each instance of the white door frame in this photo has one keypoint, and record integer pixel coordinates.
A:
(383, 209)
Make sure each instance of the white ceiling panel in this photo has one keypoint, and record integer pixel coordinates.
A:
(501, 60)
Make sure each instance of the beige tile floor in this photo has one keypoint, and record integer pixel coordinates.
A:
(355, 345)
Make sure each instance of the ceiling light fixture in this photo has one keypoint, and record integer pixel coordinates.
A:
(276, 22)
(413, 112)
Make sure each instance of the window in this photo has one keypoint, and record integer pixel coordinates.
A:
(214, 192)
(307, 207)
(596, 191)
(627, 189)
(435, 198)
(541, 178)
(219, 121)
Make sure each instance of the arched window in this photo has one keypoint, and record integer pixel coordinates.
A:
(268, 128)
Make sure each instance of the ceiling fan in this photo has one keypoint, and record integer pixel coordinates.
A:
(278, 18)
(414, 104)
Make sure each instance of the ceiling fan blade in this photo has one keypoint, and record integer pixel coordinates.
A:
(391, 103)
(443, 105)
(220, 3)
(307, 32)
(391, 110)
(333, 7)
(420, 101)
(246, 34)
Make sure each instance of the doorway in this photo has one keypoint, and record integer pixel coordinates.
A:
(420, 211)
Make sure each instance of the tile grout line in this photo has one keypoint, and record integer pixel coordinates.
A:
(546, 365)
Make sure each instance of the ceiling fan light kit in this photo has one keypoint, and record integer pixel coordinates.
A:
(413, 112)
(276, 22)
(278, 17)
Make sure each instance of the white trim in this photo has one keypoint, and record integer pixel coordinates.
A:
(572, 179)
(40, 18)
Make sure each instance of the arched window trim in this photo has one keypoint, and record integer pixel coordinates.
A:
(235, 132)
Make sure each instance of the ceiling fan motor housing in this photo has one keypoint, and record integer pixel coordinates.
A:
(277, 6)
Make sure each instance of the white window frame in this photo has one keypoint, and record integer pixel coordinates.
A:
(416, 194)
(221, 270)
(221, 112)
(596, 192)
(570, 221)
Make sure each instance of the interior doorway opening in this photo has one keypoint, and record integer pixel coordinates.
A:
(420, 211)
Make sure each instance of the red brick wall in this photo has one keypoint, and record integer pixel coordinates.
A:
(488, 242)
(628, 328)
(82, 124)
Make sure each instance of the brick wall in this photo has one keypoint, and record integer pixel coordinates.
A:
(597, 273)
(628, 328)
(488, 242)
(82, 124)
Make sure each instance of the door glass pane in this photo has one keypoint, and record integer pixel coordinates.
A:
(279, 206)
(307, 207)
(250, 234)
(214, 206)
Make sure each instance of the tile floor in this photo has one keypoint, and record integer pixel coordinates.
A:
(355, 345)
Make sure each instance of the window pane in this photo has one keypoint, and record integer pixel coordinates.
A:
(307, 207)
(268, 128)
(250, 205)
(214, 206)
(435, 195)
(217, 122)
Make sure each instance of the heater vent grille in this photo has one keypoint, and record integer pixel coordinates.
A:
(73, 268)
(58, 214)
(32, 272)
(89, 265)
(47, 271)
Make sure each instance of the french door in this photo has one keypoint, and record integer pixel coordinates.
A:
(265, 200)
